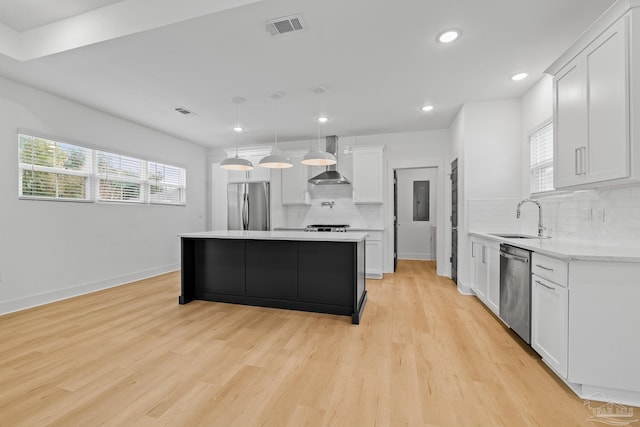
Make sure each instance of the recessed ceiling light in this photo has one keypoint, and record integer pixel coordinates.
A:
(448, 36)
(238, 128)
(427, 108)
(519, 76)
(323, 119)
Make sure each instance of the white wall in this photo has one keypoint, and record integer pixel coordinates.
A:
(54, 250)
(537, 109)
(416, 238)
(488, 139)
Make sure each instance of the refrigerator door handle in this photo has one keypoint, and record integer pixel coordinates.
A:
(245, 211)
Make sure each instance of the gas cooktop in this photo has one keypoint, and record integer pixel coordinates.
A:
(327, 227)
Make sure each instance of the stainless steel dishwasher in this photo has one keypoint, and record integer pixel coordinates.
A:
(515, 290)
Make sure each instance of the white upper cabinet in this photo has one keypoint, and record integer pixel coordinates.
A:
(258, 173)
(594, 127)
(368, 173)
(295, 188)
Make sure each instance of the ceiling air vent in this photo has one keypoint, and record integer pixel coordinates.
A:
(184, 111)
(284, 25)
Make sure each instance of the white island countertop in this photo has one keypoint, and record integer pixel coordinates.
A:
(278, 235)
(571, 250)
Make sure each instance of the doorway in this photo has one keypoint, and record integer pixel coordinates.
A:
(454, 221)
(415, 213)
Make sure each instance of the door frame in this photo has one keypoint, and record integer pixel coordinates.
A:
(442, 252)
(395, 210)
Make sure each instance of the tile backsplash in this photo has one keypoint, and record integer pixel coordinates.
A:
(609, 216)
(342, 211)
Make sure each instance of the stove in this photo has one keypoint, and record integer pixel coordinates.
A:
(340, 228)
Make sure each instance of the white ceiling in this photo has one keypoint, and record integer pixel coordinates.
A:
(377, 59)
(24, 15)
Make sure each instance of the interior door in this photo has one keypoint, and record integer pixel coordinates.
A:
(454, 221)
(395, 220)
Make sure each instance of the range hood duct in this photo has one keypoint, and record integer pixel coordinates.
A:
(331, 175)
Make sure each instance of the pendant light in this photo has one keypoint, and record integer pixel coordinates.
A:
(317, 157)
(275, 160)
(237, 163)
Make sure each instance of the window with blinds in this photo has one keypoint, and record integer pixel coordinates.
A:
(166, 183)
(52, 170)
(541, 159)
(120, 178)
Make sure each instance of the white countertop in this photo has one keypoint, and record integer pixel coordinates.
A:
(571, 249)
(278, 235)
(350, 229)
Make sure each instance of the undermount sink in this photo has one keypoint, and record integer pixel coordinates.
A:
(515, 236)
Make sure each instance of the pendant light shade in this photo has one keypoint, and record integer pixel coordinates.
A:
(319, 158)
(275, 160)
(236, 164)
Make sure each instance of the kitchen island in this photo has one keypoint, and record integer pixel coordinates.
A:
(319, 272)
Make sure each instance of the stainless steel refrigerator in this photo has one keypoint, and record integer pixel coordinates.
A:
(248, 206)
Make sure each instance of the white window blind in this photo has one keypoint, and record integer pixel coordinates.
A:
(541, 159)
(167, 184)
(53, 170)
(120, 178)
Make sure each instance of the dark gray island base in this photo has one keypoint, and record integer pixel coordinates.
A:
(289, 270)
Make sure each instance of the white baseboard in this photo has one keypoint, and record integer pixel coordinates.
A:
(464, 289)
(86, 288)
(416, 256)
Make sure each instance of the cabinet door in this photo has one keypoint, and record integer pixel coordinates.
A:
(608, 105)
(373, 261)
(237, 176)
(479, 256)
(258, 173)
(549, 323)
(570, 127)
(493, 285)
(295, 189)
(368, 175)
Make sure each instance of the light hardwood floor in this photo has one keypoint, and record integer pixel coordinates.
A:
(424, 355)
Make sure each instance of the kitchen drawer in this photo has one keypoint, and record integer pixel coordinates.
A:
(549, 268)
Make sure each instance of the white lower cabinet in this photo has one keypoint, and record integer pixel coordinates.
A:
(485, 272)
(373, 251)
(550, 311)
(373, 254)
(604, 348)
(550, 322)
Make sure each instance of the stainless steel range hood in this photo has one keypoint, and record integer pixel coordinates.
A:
(331, 175)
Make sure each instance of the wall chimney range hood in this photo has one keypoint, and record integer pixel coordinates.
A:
(331, 175)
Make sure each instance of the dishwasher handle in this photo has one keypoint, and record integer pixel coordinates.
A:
(514, 257)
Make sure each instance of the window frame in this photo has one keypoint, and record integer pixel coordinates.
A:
(530, 167)
(94, 176)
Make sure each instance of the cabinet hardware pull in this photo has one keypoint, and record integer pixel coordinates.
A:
(575, 161)
(544, 268)
(546, 286)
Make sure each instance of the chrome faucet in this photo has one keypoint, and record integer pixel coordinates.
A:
(540, 226)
